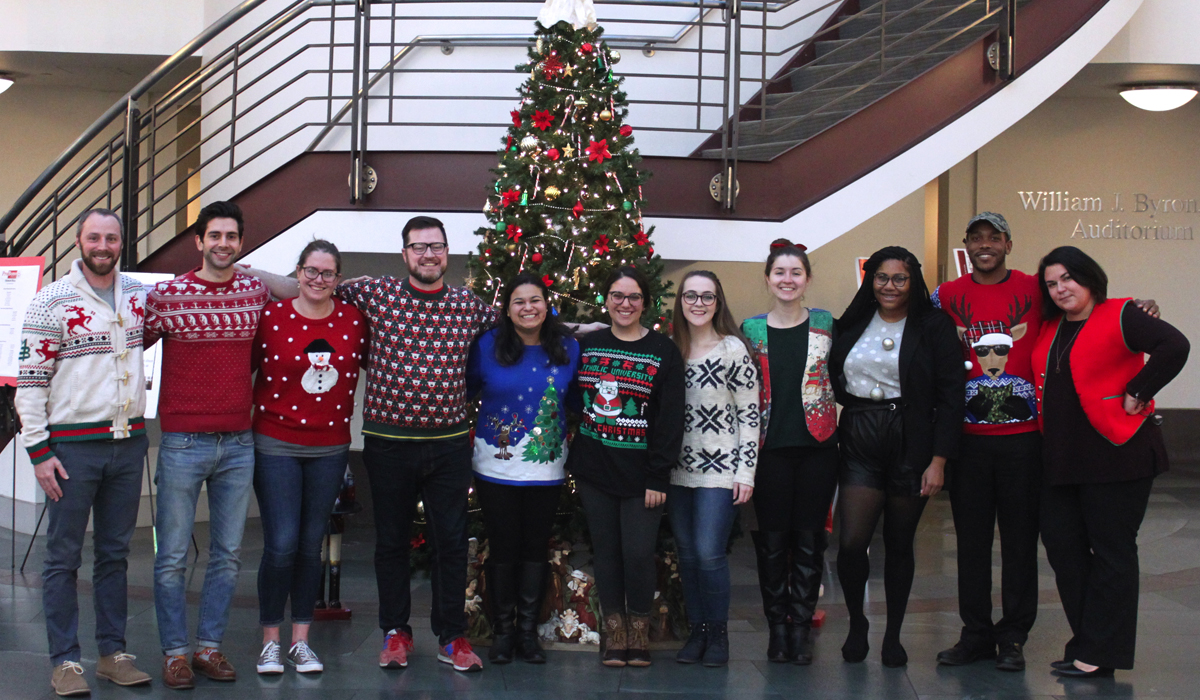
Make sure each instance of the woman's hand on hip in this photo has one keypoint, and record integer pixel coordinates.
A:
(934, 477)
(741, 493)
(1134, 406)
(655, 499)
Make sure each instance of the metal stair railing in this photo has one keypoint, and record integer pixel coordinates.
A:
(276, 71)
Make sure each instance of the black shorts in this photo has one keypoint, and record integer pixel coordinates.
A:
(871, 438)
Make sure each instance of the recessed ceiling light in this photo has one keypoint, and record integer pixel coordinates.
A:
(1158, 98)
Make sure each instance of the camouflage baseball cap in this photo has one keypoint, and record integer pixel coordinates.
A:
(992, 218)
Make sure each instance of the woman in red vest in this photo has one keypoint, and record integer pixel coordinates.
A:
(1102, 449)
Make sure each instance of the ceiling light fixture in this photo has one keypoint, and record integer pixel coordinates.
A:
(5, 81)
(1158, 98)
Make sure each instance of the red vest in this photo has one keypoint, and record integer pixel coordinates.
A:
(1101, 366)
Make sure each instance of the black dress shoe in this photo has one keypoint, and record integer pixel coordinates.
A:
(1074, 671)
(1059, 665)
(1010, 658)
(962, 654)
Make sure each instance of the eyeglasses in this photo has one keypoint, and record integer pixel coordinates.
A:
(619, 298)
(705, 299)
(326, 275)
(899, 281)
(420, 248)
(985, 350)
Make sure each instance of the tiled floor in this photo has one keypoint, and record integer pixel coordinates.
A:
(1169, 633)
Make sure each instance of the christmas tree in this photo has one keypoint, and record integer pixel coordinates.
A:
(546, 438)
(567, 200)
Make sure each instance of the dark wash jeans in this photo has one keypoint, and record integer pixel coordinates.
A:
(105, 481)
(437, 472)
(295, 498)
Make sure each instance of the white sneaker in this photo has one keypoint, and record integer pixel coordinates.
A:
(268, 661)
(304, 659)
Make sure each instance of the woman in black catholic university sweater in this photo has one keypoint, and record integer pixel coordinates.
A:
(629, 439)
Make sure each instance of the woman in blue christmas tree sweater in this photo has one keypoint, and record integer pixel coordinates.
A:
(521, 370)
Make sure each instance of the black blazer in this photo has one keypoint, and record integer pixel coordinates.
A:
(932, 384)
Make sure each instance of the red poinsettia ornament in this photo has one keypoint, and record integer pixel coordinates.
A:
(516, 117)
(640, 238)
(514, 233)
(542, 119)
(547, 281)
(598, 150)
(509, 197)
(552, 67)
(601, 244)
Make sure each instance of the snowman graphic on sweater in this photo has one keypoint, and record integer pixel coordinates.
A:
(320, 376)
(606, 402)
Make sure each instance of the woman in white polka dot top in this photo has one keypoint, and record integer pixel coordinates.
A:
(308, 353)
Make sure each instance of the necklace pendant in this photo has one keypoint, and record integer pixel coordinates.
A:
(888, 344)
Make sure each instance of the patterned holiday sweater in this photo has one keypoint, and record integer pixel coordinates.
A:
(208, 332)
(632, 428)
(416, 377)
(81, 365)
(720, 427)
(992, 319)
(520, 438)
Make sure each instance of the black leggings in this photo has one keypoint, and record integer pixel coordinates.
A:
(860, 508)
(623, 532)
(793, 487)
(519, 520)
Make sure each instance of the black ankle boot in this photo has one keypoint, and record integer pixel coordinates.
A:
(717, 651)
(502, 594)
(529, 605)
(856, 647)
(804, 589)
(770, 549)
(693, 649)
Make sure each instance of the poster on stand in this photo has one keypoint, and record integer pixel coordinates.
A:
(152, 357)
(20, 279)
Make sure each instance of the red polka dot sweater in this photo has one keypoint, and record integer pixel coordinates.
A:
(307, 373)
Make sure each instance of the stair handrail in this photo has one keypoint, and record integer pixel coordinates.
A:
(137, 92)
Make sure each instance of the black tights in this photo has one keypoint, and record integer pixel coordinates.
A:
(860, 508)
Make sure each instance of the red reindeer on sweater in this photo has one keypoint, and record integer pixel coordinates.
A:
(79, 322)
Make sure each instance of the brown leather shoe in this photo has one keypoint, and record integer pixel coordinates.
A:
(639, 641)
(214, 665)
(615, 641)
(176, 674)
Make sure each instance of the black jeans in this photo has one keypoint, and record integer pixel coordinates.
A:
(439, 473)
(793, 487)
(519, 520)
(1090, 533)
(623, 532)
(997, 480)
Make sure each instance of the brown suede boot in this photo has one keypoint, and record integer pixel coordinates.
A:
(615, 641)
(639, 641)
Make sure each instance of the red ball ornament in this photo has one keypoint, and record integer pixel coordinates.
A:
(552, 154)
(626, 130)
(586, 47)
(536, 258)
(650, 252)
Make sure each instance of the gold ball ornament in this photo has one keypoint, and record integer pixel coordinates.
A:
(614, 56)
(552, 193)
(606, 115)
(511, 247)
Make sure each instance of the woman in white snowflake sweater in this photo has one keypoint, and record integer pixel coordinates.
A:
(715, 471)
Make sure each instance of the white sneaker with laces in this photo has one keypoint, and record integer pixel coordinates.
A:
(304, 659)
(268, 661)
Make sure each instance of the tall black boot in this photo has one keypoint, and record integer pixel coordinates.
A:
(808, 565)
(529, 605)
(771, 550)
(502, 589)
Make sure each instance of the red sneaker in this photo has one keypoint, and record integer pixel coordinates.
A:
(458, 653)
(396, 646)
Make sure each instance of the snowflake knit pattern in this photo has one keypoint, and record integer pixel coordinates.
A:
(720, 427)
(416, 378)
(208, 330)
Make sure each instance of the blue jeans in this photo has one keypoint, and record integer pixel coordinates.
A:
(439, 473)
(701, 519)
(106, 481)
(186, 461)
(295, 498)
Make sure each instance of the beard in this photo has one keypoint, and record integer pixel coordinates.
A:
(428, 275)
(98, 267)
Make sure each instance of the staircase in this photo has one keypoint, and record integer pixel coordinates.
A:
(876, 51)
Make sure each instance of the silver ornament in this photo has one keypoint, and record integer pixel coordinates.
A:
(888, 344)
(529, 143)
(877, 394)
(539, 46)
(614, 55)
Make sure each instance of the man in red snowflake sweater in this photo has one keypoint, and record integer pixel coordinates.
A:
(207, 319)
(416, 432)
